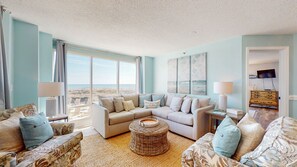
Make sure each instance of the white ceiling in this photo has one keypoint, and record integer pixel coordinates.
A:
(154, 27)
(263, 56)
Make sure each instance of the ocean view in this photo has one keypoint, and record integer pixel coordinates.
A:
(87, 86)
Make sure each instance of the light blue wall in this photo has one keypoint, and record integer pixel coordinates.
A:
(275, 40)
(25, 55)
(148, 74)
(45, 62)
(224, 63)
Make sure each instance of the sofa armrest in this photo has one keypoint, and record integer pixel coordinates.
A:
(201, 153)
(7, 159)
(100, 120)
(62, 128)
(200, 120)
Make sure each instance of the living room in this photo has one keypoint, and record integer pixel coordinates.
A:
(148, 83)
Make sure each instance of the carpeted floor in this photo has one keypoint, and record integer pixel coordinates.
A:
(115, 151)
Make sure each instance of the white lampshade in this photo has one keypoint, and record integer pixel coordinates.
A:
(222, 87)
(50, 89)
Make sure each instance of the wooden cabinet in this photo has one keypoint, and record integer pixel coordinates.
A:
(264, 98)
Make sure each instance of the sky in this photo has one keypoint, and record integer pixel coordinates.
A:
(104, 71)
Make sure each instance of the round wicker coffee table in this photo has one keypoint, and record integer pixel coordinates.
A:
(149, 141)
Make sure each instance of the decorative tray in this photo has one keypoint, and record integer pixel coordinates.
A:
(148, 122)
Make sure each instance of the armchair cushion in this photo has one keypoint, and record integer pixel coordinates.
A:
(201, 153)
(62, 128)
(50, 151)
(10, 134)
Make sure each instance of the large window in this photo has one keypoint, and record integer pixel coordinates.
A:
(89, 77)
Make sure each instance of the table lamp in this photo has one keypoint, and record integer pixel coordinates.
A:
(51, 90)
(222, 88)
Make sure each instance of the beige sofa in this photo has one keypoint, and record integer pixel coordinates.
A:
(192, 125)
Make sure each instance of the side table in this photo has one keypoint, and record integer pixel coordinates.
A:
(215, 116)
(58, 118)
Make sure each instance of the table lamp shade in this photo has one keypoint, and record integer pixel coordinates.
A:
(50, 89)
(223, 87)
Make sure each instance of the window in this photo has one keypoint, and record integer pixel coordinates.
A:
(89, 77)
(127, 78)
(104, 78)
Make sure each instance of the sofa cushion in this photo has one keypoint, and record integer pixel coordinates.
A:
(10, 134)
(35, 130)
(151, 104)
(251, 136)
(141, 112)
(143, 97)
(107, 102)
(186, 106)
(160, 97)
(278, 146)
(162, 112)
(120, 117)
(128, 105)
(133, 97)
(176, 103)
(226, 138)
(50, 151)
(182, 118)
(118, 104)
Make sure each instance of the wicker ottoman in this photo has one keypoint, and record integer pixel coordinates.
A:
(149, 141)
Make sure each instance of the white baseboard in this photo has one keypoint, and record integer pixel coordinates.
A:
(293, 97)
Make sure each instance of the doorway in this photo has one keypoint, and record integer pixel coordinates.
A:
(267, 83)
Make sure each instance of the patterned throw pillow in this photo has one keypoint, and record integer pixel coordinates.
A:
(176, 103)
(147, 97)
(118, 104)
(278, 146)
(251, 136)
(128, 105)
(186, 106)
(151, 104)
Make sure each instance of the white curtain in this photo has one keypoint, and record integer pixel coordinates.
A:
(4, 84)
(139, 75)
(60, 73)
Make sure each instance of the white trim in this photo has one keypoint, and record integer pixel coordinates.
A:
(283, 80)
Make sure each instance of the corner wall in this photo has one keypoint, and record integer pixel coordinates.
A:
(224, 63)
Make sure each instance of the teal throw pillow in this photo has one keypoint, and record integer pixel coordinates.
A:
(226, 138)
(35, 130)
(160, 97)
(147, 97)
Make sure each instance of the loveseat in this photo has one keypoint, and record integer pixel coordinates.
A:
(277, 148)
(192, 125)
(62, 150)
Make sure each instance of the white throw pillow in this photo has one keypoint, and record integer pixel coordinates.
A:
(186, 106)
(176, 103)
(151, 104)
(195, 104)
(251, 136)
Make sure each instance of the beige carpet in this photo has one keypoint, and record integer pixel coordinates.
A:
(97, 151)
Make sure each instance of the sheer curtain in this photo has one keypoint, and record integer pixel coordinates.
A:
(139, 75)
(4, 84)
(60, 73)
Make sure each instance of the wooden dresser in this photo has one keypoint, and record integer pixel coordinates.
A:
(264, 98)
